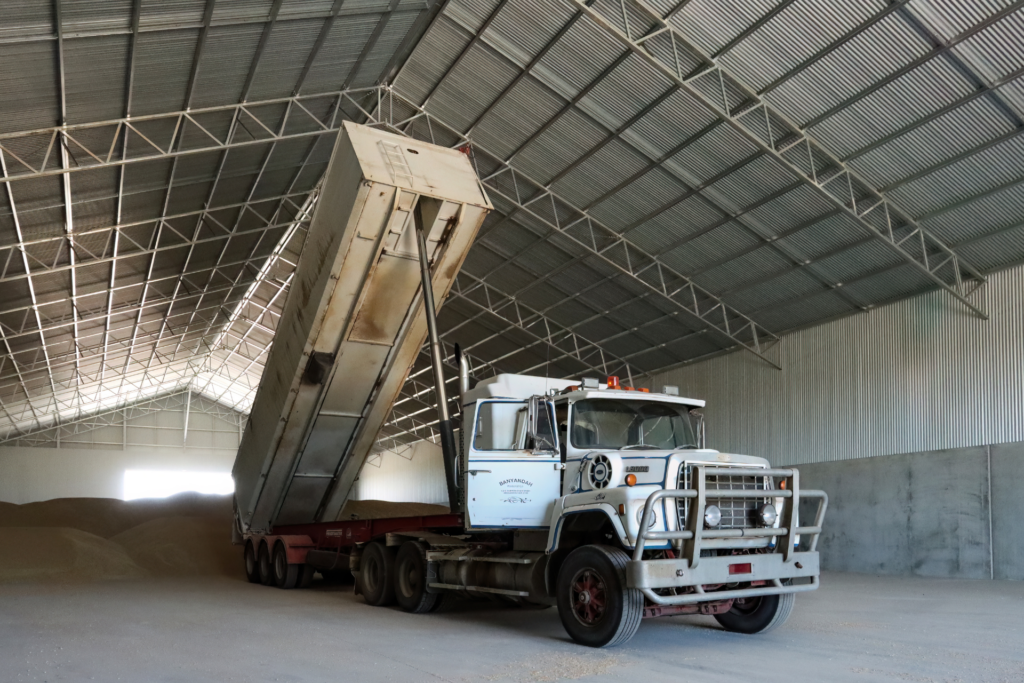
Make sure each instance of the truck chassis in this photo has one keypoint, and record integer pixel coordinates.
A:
(418, 561)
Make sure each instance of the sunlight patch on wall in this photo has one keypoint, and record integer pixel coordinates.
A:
(163, 483)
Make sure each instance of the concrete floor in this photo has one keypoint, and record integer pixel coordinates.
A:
(856, 628)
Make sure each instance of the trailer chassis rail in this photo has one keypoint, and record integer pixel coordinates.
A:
(774, 570)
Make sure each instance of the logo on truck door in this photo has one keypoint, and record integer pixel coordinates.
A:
(517, 490)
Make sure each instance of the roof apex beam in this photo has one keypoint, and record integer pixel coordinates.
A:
(65, 163)
(129, 86)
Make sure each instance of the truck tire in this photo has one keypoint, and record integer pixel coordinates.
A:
(377, 574)
(252, 566)
(265, 565)
(411, 579)
(758, 615)
(285, 575)
(594, 604)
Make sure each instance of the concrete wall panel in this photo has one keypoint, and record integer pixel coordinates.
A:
(918, 513)
(1008, 511)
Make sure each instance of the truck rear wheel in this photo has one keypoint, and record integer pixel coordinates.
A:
(264, 563)
(252, 567)
(594, 604)
(411, 579)
(377, 574)
(285, 575)
(758, 615)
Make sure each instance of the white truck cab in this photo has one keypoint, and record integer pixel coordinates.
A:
(586, 465)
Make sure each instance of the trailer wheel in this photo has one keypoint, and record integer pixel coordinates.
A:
(265, 566)
(594, 604)
(411, 579)
(377, 574)
(252, 567)
(285, 575)
(758, 615)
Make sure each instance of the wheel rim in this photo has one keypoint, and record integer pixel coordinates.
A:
(408, 581)
(589, 599)
(371, 574)
(746, 606)
(280, 566)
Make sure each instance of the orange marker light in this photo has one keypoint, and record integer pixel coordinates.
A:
(613, 382)
(630, 480)
(783, 485)
(622, 509)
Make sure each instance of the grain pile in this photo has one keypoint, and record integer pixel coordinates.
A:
(176, 546)
(85, 539)
(62, 554)
(88, 539)
(386, 509)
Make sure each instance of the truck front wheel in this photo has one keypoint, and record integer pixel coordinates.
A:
(377, 574)
(594, 604)
(758, 615)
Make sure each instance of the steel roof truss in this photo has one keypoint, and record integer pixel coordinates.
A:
(725, 96)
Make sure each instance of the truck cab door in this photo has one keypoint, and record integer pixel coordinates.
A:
(513, 466)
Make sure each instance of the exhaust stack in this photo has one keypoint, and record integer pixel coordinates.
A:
(460, 358)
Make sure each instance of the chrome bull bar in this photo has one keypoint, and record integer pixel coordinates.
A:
(773, 568)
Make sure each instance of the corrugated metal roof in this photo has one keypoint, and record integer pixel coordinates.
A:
(543, 87)
(150, 296)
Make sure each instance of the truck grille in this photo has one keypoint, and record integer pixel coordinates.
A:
(737, 513)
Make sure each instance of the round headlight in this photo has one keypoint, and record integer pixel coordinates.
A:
(766, 514)
(712, 515)
(640, 516)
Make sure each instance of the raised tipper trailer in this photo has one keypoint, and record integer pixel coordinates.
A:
(352, 323)
(596, 497)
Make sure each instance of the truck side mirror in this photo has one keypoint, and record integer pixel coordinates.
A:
(698, 419)
(540, 426)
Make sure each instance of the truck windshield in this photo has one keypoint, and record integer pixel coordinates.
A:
(616, 423)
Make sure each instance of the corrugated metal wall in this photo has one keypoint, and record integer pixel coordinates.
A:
(918, 375)
(210, 427)
(413, 475)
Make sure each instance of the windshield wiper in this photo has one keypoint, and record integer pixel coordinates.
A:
(640, 446)
(689, 445)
